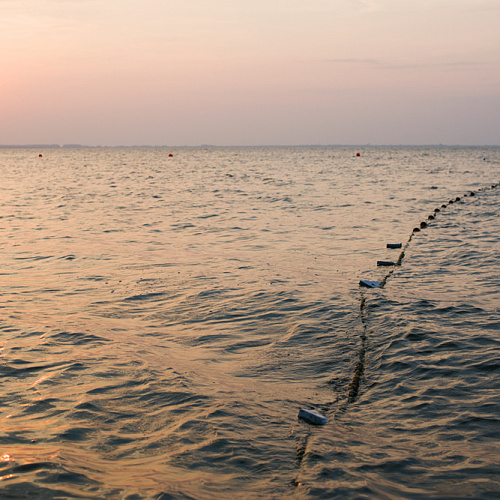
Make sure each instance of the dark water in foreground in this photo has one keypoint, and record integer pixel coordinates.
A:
(164, 319)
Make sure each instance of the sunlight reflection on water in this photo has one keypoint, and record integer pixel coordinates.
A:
(164, 319)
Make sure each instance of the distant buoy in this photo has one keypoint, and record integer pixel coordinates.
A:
(40, 155)
(170, 155)
(423, 224)
(358, 154)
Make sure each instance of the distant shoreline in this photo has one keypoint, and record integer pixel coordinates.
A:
(82, 146)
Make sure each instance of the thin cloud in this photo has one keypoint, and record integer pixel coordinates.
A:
(444, 65)
(379, 64)
(370, 5)
(353, 61)
(485, 6)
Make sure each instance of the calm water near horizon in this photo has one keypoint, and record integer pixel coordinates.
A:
(163, 319)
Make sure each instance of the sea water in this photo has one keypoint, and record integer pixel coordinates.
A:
(164, 318)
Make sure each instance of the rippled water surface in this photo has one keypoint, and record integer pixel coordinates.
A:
(163, 319)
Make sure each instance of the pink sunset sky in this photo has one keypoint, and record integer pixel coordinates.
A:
(227, 72)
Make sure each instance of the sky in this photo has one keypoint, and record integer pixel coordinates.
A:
(259, 72)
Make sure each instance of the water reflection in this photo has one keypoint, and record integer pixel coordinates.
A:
(163, 320)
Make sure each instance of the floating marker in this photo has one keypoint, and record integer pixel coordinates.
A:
(312, 417)
(40, 155)
(385, 263)
(170, 155)
(358, 154)
(369, 284)
(394, 245)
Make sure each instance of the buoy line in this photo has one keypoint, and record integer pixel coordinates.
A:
(353, 389)
(423, 225)
(354, 385)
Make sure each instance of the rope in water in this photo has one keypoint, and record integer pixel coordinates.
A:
(425, 224)
(354, 385)
(353, 388)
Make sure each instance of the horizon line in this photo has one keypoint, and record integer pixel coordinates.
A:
(138, 146)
